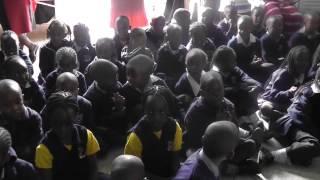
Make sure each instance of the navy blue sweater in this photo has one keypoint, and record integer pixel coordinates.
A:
(271, 50)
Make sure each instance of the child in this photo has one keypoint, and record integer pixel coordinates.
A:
(188, 86)
(127, 167)
(137, 45)
(140, 80)
(229, 24)
(105, 49)
(83, 46)
(257, 16)
(108, 105)
(218, 142)
(181, 17)
(156, 137)
(23, 123)
(67, 151)
(210, 107)
(10, 47)
(213, 31)
(67, 61)
(248, 50)
(155, 34)
(199, 39)
(57, 32)
(68, 82)
(12, 167)
(286, 80)
(171, 56)
(300, 127)
(121, 37)
(33, 95)
(308, 35)
(273, 44)
(239, 88)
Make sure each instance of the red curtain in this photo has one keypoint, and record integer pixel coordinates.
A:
(133, 9)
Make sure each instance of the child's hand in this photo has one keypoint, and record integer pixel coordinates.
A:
(119, 101)
(256, 61)
(293, 89)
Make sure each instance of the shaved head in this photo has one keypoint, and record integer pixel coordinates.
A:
(141, 64)
(104, 73)
(210, 78)
(9, 86)
(67, 82)
(220, 139)
(212, 88)
(126, 167)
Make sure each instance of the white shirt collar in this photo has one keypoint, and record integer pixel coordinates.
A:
(252, 39)
(315, 89)
(195, 86)
(207, 161)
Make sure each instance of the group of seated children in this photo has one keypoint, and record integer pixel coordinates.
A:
(184, 100)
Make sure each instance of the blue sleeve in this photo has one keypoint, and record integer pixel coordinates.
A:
(279, 92)
(297, 111)
(82, 83)
(246, 79)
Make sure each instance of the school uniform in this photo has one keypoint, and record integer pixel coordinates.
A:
(277, 90)
(224, 25)
(207, 46)
(216, 35)
(258, 32)
(200, 115)
(17, 169)
(126, 55)
(300, 38)
(85, 55)
(134, 104)
(47, 62)
(23, 56)
(67, 161)
(187, 85)
(85, 115)
(272, 49)
(119, 44)
(50, 84)
(154, 41)
(26, 133)
(155, 147)
(198, 166)
(171, 63)
(33, 95)
(236, 88)
(300, 126)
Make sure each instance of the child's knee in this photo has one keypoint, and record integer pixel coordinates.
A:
(302, 153)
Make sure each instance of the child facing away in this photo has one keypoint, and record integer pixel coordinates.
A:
(239, 88)
(181, 17)
(171, 55)
(127, 167)
(228, 25)
(155, 34)
(285, 81)
(156, 137)
(68, 82)
(11, 166)
(212, 30)
(137, 45)
(188, 86)
(82, 45)
(57, 32)
(140, 80)
(108, 105)
(210, 107)
(10, 47)
(67, 61)
(248, 50)
(274, 46)
(257, 15)
(199, 39)
(67, 151)
(220, 139)
(23, 123)
(17, 70)
(105, 49)
(122, 35)
(300, 127)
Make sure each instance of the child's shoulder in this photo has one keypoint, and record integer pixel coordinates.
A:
(32, 115)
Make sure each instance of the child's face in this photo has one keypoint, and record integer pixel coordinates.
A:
(71, 87)
(21, 75)
(198, 37)
(245, 28)
(108, 83)
(138, 79)
(62, 122)
(158, 25)
(82, 37)
(228, 64)
(184, 21)
(156, 111)
(213, 94)
(57, 35)
(195, 67)
(12, 105)
(123, 27)
(68, 66)
(174, 39)
(10, 46)
(302, 64)
(276, 27)
(257, 17)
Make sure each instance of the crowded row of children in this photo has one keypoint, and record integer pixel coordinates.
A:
(179, 98)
